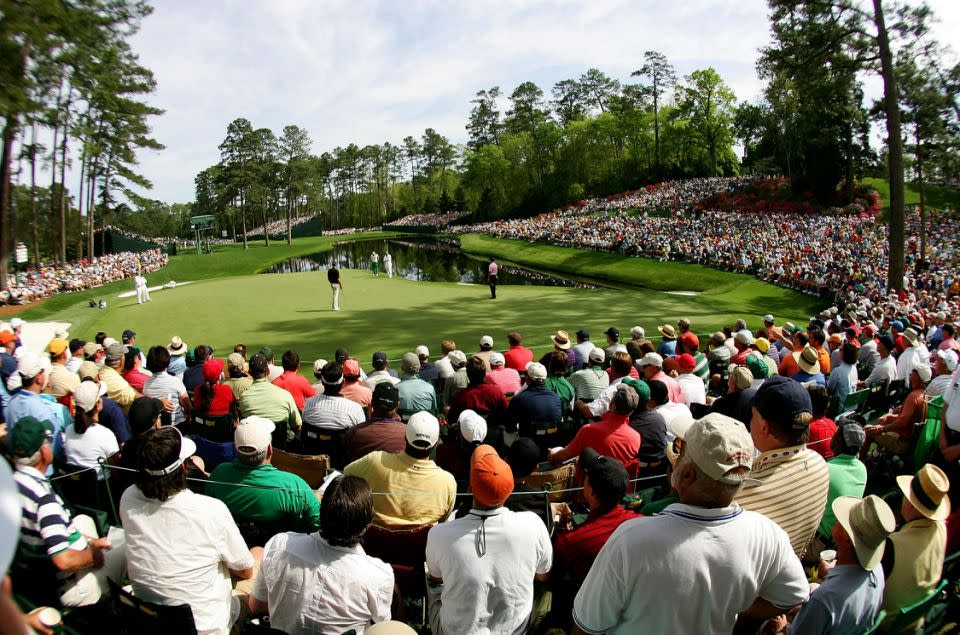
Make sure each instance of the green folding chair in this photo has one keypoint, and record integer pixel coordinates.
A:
(882, 615)
(908, 618)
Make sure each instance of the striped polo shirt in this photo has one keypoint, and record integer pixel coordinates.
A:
(789, 486)
(702, 369)
(45, 526)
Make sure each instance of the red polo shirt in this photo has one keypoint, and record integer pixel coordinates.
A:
(611, 436)
(297, 386)
(576, 550)
(518, 357)
(821, 432)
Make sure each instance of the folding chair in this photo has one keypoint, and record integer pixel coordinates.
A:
(213, 453)
(405, 550)
(315, 441)
(311, 468)
(553, 480)
(927, 434)
(908, 618)
(80, 487)
(218, 429)
(882, 615)
(139, 617)
(856, 401)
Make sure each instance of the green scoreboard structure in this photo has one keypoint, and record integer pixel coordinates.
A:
(201, 226)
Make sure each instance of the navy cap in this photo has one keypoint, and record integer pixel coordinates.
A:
(887, 340)
(781, 397)
(127, 335)
(379, 356)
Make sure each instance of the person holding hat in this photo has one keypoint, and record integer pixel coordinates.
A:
(850, 598)
(118, 388)
(789, 482)
(415, 490)
(236, 376)
(944, 364)
(848, 474)
(384, 430)
(415, 394)
(535, 403)
(352, 388)
(62, 382)
(486, 348)
(256, 492)
(894, 430)
(86, 443)
(357, 589)
(885, 369)
(182, 547)
(506, 379)
(694, 549)
(83, 562)
(668, 343)
(263, 399)
(604, 486)
(178, 350)
(481, 568)
(913, 560)
(611, 436)
(591, 380)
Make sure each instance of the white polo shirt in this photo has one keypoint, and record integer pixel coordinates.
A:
(332, 413)
(178, 551)
(313, 586)
(951, 399)
(86, 450)
(492, 593)
(692, 388)
(688, 570)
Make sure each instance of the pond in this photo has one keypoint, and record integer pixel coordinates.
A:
(423, 259)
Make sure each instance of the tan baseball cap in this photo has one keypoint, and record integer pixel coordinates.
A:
(718, 444)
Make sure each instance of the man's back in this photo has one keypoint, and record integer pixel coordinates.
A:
(332, 413)
(417, 395)
(492, 592)
(645, 575)
(407, 491)
(274, 499)
(535, 404)
(388, 435)
(790, 487)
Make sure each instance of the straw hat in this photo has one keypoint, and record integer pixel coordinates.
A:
(808, 360)
(927, 491)
(561, 339)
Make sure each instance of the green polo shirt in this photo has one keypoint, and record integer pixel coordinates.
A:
(848, 477)
(263, 399)
(270, 496)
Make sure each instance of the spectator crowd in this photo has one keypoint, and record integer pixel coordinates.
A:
(765, 476)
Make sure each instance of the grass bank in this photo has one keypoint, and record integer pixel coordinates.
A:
(936, 197)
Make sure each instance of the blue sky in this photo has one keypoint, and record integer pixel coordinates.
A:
(368, 72)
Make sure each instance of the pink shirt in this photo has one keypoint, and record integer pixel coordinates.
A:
(674, 391)
(492, 269)
(506, 379)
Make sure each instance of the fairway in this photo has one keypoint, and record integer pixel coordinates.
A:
(395, 315)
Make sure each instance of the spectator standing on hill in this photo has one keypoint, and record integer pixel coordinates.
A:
(336, 284)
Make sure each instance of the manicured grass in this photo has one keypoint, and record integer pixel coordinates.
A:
(229, 304)
(643, 272)
(935, 197)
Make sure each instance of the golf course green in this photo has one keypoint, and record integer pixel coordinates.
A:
(228, 302)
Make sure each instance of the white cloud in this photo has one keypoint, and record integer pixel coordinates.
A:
(368, 72)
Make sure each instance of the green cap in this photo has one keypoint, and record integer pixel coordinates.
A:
(267, 352)
(758, 367)
(640, 387)
(28, 435)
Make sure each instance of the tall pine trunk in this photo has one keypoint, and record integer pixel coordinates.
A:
(891, 106)
(63, 179)
(34, 214)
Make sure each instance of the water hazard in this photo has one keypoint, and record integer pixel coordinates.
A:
(420, 258)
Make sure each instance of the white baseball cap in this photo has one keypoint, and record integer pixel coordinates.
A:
(253, 435)
(651, 359)
(423, 430)
(30, 364)
(718, 444)
(596, 355)
(950, 358)
(86, 395)
(536, 371)
(422, 351)
(16, 323)
(473, 427)
(486, 340)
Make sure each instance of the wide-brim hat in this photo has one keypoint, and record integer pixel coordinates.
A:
(808, 360)
(668, 331)
(868, 521)
(561, 339)
(177, 346)
(927, 491)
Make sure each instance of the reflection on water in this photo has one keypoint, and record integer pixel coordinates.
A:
(419, 258)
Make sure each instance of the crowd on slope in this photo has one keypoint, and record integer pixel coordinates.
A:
(735, 427)
(279, 227)
(843, 257)
(438, 219)
(36, 284)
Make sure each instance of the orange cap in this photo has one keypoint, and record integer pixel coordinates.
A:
(491, 479)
